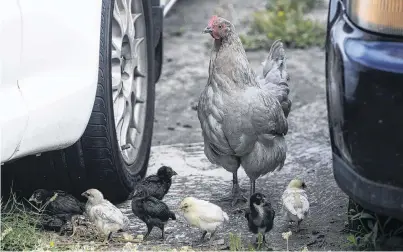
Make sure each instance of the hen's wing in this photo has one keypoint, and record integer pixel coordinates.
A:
(259, 116)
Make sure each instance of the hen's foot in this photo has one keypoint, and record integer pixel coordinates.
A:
(236, 196)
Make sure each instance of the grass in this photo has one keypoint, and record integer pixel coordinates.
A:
(373, 232)
(285, 20)
(21, 231)
(18, 227)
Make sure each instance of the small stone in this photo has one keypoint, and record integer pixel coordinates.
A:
(171, 128)
(315, 232)
(187, 126)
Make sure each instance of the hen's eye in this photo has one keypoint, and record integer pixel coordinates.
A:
(220, 26)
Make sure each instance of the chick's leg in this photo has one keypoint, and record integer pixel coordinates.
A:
(163, 231)
(149, 229)
(236, 194)
(203, 235)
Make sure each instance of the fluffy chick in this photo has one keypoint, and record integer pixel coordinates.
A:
(295, 202)
(203, 214)
(260, 215)
(58, 207)
(105, 216)
(156, 185)
(57, 202)
(153, 212)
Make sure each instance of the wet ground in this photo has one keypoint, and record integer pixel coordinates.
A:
(177, 136)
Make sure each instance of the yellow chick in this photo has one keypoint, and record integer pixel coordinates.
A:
(203, 214)
(295, 202)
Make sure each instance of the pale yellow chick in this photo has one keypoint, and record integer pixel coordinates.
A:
(295, 202)
(203, 214)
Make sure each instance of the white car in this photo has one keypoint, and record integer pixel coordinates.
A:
(77, 91)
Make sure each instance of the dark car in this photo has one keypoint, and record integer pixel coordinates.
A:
(364, 80)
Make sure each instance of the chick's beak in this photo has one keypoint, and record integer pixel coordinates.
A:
(174, 172)
(32, 198)
(207, 30)
(84, 194)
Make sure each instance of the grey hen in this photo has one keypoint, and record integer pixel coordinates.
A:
(103, 214)
(243, 122)
(153, 212)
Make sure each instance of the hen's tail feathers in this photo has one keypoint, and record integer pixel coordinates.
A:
(226, 218)
(173, 216)
(275, 77)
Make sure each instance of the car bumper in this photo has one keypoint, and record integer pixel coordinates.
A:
(365, 102)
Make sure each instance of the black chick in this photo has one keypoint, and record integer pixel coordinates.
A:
(260, 215)
(59, 207)
(57, 202)
(156, 185)
(153, 212)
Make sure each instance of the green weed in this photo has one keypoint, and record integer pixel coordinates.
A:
(285, 20)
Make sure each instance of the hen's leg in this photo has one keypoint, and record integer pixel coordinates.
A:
(236, 194)
(252, 187)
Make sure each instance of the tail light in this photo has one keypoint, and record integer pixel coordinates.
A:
(382, 16)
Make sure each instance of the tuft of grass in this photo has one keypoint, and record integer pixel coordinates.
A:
(372, 232)
(235, 243)
(285, 20)
(18, 227)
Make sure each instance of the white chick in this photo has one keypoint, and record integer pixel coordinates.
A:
(103, 214)
(203, 214)
(295, 202)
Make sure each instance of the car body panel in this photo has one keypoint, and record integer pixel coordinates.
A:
(53, 96)
(365, 104)
(10, 96)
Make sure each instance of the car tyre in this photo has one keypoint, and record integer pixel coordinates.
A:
(95, 161)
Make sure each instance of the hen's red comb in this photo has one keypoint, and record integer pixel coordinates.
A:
(212, 20)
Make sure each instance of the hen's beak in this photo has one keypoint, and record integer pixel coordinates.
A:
(84, 194)
(174, 173)
(207, 30)
(32, 198)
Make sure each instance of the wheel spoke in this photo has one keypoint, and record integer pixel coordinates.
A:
(129, 80)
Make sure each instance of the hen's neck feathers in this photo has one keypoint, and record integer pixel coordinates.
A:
(229, 66)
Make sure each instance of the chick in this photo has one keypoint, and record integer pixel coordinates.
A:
(295, 202)
(105, 216)
(260, 215)
(152, 212)
(58, 207)
(57, 202)
(156, 185)
(203, 214)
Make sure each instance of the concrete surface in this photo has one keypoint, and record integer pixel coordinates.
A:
(177, 136)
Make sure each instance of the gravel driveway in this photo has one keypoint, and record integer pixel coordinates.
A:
(177, 136)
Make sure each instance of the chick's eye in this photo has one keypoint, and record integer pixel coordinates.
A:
(220, 26)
